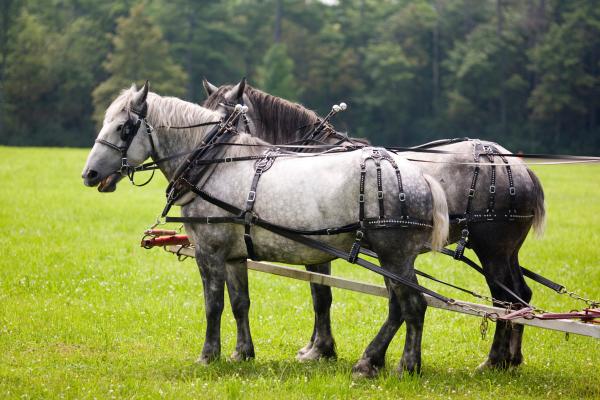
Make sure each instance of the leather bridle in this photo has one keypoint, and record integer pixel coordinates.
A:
(129, 130)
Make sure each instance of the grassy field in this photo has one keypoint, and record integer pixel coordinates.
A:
(86, 313)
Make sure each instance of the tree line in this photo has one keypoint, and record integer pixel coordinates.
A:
(525, 73)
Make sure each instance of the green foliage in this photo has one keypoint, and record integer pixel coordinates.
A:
(523, 73)
(139, 53)
(202, 41)
(276, 75)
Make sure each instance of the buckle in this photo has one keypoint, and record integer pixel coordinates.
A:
(258, 171)
(251, 196)
(380, 194)
(471, 192)
(402, 196)
(228, 159)
(359, 235)
(512, 191)
(492, 189)
(361, 198)
(250, 218)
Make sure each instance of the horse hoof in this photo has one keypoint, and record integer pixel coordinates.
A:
(315, 354)
(364, 369)
(516, 361)
(406, 368)
(489, 365)
(242, 355)
(203, 360)
(304, 350)
(206, 359)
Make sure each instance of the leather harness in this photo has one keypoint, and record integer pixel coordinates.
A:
(490, 213)
(224, 130)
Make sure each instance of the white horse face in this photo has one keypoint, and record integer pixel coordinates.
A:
(103, 165)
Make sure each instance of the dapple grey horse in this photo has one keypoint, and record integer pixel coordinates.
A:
(302, 192)
(495, 242)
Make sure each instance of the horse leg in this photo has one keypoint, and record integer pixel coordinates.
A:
(213, 281)
(413, 310)
(397, 254)
(373, 357)
(516, 336)
(237, 287)
(321, 343)
(496, 253)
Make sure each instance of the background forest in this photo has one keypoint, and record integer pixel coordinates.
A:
(525, 73)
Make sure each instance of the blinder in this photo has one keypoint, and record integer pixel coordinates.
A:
(130, 129)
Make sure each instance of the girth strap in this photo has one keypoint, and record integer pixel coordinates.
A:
(261, 166)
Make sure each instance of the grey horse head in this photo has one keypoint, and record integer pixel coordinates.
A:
(224, 101)
(103, 164)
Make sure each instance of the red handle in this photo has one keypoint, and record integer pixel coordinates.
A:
(166, 241)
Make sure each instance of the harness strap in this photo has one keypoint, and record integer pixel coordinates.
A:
(287, 233)
(262, 166)
(464, 235)
(219, 133)
(492, 195)
(528, 273)
(511, 187)
(401, 195)
(363, 263)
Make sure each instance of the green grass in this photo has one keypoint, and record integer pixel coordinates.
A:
(86, 313)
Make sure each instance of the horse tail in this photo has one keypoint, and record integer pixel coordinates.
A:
(539, 212)
(439, 236)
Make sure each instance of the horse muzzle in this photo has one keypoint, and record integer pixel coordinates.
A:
(107, 184)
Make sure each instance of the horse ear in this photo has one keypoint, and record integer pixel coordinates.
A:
(142, 94)
(239, 88)
(209, 88)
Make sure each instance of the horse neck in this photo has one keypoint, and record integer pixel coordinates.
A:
(164, 113)
(279, 121)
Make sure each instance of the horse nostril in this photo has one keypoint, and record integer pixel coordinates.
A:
(91, 174)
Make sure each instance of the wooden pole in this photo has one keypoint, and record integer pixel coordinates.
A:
(463, 307)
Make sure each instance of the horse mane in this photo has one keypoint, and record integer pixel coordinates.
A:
(279, 120)
(165, 112)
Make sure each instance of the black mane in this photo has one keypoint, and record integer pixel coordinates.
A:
(279, 121)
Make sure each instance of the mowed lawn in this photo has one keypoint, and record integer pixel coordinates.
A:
(86, 313)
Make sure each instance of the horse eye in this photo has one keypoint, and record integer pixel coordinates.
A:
(119, 127)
